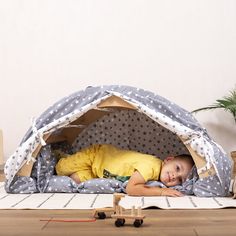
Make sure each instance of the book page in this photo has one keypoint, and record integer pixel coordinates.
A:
(186, 202)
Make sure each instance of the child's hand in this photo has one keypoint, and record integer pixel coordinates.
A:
(171, 192)
(76, 178)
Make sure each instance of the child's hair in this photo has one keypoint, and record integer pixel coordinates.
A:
(186, 157)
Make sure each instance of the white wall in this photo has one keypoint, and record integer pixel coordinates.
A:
(183, 50)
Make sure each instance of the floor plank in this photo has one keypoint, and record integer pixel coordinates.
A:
(165, 222)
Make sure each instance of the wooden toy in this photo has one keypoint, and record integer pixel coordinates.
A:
(117, 212)
(135, 215)
(101, 212)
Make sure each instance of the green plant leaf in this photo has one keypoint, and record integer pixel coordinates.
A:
(228, 103)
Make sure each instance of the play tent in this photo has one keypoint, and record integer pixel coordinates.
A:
(124, 116)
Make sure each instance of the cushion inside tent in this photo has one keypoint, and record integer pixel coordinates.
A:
(129, 124)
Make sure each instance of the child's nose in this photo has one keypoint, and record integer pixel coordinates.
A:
(173, 176)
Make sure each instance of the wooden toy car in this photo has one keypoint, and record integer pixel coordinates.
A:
(134, 215)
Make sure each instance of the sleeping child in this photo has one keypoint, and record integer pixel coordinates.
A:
(108, 161)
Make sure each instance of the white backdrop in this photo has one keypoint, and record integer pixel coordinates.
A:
(184, 50)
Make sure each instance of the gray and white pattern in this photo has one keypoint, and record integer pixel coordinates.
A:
(155, 128)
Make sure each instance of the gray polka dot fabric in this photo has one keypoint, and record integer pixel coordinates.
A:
(132, 130)
(156, 127)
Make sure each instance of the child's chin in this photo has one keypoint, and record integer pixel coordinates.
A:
(164, 180)
(165, 183)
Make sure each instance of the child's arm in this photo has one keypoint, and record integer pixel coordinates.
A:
(136, 187)
(75, 177)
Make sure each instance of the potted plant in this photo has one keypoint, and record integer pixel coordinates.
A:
(228, 103)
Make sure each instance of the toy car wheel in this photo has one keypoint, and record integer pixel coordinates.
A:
(137, 223)
(119, 222)
(101, 215)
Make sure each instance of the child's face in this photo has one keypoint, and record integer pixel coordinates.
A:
(174, 171)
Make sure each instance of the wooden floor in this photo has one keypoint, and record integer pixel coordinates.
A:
(158, 222)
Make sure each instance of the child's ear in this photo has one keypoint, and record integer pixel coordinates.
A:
(168, 159)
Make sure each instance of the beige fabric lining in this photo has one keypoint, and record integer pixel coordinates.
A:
(200, 162)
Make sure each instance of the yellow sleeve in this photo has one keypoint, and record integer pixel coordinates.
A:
(67, 165)
(149, 169)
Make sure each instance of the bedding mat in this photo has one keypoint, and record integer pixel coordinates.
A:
(90, 201)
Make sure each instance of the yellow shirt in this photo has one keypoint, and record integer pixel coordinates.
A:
(107, 161)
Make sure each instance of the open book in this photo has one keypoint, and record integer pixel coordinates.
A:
(186, 202)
